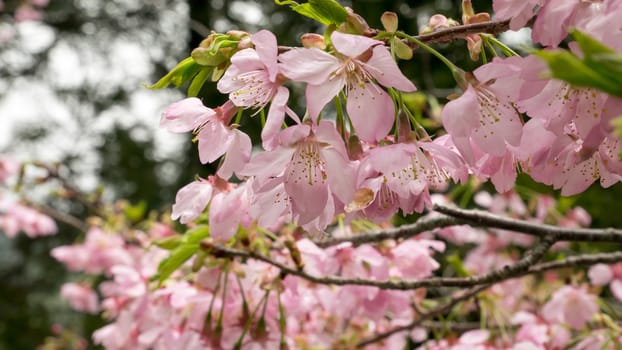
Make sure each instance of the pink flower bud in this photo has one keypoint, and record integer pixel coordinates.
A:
(313, 40)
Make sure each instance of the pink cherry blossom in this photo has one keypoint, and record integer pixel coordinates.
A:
(192, 199)
(81, 297)
(413, 258)
(15, 218)
(254, 79)
(8, 167)
(359, 65)
(520, 12)
(600, 274)
(98, 254)
(399, 176)
(216, 138)
(572, 306)
(313, 167)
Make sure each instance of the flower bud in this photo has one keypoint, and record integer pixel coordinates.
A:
(438, 22)
(313, 40)
(245, 43)
(355, 24)
(237, 34)
(389, 21)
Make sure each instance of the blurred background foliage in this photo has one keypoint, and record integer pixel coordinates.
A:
(70, 92)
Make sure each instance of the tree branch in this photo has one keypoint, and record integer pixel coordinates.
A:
(523, 267)
(405, 231)
(486, 219)
(445, 35)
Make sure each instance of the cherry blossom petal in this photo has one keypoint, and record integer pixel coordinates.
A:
(237, 156)
(319, 95)
(371, 110)
(266, 47)
(312, 66)
(305, 182)
(191, 200)
(384, 69)
(352, 45)
(268, 164)
(551, 25)
(276, 116)
(185, 115)
(214, 140)
(600, 274)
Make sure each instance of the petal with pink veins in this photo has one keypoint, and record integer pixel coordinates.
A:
(185, 115)
(266, 47)
(237, 154)
(276, 116)
(384, 69)
(312, 66)
(319, 95)
(305, 182)
(352, 45)
(214, 140)
(371, 110)
(267, 164)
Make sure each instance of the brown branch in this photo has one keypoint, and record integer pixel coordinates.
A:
(446, 35)
(405, 231)
(518, 269)
(462, 326)
(578, 260)
(486, 219)
(59, 216)
(424, 317)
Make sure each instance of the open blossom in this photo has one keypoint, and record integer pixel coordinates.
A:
(519, 12)
(397, 176)
(15, 217)
(572, 306)
(216, 137)
(253, 80)
(311, 171)
(8, 167)
(81, 297)
(98, 254)
(601, 274)
(359, 65)
(228, 205)
(486, 137)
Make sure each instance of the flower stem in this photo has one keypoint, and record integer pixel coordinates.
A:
(459, 74)
(428, 48)
(507, 51)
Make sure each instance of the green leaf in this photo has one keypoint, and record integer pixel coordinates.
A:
(168, 243)
(198, 81)
(568, 67)
(590, 46)
(183, 72)
(325, 11)
(178, 256)
(135, 213)
(188, 246)
(455, 262)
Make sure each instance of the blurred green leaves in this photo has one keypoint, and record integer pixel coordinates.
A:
(600, 67)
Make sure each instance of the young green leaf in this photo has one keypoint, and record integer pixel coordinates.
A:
(183, 72)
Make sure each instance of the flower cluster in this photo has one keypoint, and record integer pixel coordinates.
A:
(222, 303)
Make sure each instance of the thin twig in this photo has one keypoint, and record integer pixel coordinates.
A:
(486, 219)
(60, 216)
(405, 231)
(446, 35)
(521, 268)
